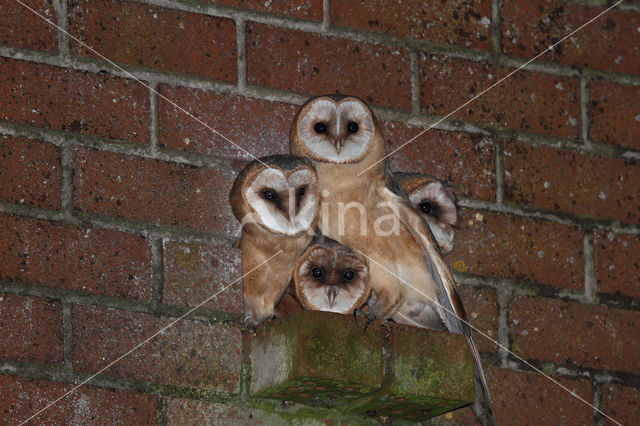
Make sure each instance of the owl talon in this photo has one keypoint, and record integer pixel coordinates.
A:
(388, 327)
(367, 324)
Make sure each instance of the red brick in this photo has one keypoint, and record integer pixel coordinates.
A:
(155, 37)
(63, 99)
(187, 353)
(30, 172)
(481, 305)
(23, 397)
(574, 334)
(255, 126)
(572, 182)
(461, 416)
(528, 101)
(180, 411)
(195, 272)
(514, 247)
(30, 328)
(153, 191)
(23, 28)
(304, 9)
(530, 398)
(615, 114)
(621, 403)
(315, 64)
(465, 161)
(466, 23)
(610, 42)
(617, 263)
(96, 261)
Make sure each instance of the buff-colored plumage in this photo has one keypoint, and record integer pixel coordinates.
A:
(365, 209)
(276, 199)
(330, 277)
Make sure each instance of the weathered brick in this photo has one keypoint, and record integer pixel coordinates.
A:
(194, 272)
(96, 261)
(481, 305)
(75, 101)
(30, 328)
(574, 334)
(520, 397)
(256, 127)
(528, 101)
(572, 182)
(466, 23)
(180, 411)
(23, 397)
(153, 191)
(304, 9)
(617, 264)
(30, 172)
(23, 28)
(187, 353)
(463, 160)
(155, 37)
(615, 114)
(514, 247)
(622, 403)
(315, 64)
(610, 42)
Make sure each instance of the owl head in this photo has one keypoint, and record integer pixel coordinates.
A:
(435, 203)
(278, 193)
(330, 277)
(337, 129)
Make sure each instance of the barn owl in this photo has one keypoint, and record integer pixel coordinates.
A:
(410, 282)
(330, 277)
(276, 199)
(435, 203)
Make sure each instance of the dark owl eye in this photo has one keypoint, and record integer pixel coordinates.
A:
(316, 272)
(302, 191)
(425, 206)
(269, 194)
(349, 274)
(320, 127)
(352, 127)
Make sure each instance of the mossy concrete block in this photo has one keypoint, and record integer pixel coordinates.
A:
(314, 358)
(324, 359)
(429, 372)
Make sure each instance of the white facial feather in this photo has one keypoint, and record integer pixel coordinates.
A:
(266, 212)
(336, 117)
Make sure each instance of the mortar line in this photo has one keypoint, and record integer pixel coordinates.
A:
(504, 297)
(61, 8)
(326, 15)
(145, 341)
(414, 75)
(241, 52)
(66, 187)
(471, 326)
(590, 287)
(161, 416)
(550, 48)
(67, 337)
(596, 396)
(496, 27)
(157, 272)
(499, 160)
(153, 118)
(183, 110)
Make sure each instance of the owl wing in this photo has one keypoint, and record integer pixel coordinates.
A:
(455, 316)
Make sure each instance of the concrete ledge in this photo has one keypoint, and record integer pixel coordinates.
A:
(323, 359)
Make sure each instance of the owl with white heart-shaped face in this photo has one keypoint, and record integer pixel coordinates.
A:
(276, 199)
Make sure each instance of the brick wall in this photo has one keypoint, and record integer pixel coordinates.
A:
(114, 217)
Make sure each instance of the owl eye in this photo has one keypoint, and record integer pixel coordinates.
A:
(316, 272)
(301, 191)
(269, 194)
(320, 127)
(349, 274)
(425, 206)
(352, 127)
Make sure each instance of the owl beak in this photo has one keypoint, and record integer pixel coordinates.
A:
(339, 144)
(332, 292)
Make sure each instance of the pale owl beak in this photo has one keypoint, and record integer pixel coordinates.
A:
(339, 144)
(332, 292)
